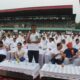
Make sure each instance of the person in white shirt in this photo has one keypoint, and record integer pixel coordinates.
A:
(21, 37)
(33, 44)
(77, 44)
(69, 38)
(64, 44)
(57, 39)
(6, 41)
(3, 52)
(57, 55)
(13, 43)
(43, 43)
(13, 46)
(51, 44)
(18, 37)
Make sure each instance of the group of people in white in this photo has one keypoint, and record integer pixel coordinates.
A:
(61, 48)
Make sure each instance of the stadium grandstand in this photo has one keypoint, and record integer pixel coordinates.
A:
(49, 17)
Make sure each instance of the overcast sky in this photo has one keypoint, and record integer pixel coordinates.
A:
(9, 4)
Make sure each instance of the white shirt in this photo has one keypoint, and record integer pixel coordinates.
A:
(13, 44)
(58, 40)
(77, 46)
(3, 52)
(43, 44)
(69, 39)
(20, 39)
(34, 37)
(51, 45)
(56, 51)
(6, 42)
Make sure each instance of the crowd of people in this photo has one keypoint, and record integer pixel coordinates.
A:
(62, 48)
(40, 23)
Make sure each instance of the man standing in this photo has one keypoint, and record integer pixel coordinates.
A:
(33, 44)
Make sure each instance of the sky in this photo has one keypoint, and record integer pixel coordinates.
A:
(11, 4)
